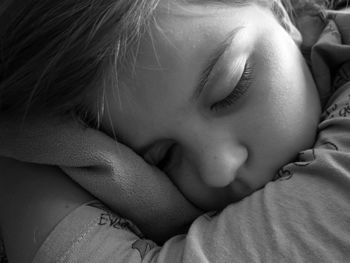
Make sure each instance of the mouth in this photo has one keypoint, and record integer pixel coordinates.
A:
(240, 189)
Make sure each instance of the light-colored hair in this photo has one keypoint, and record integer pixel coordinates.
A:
(56, 54)
(53, 54)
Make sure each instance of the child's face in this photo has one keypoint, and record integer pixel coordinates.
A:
(219, 98)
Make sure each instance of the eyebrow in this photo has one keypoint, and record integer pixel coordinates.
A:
(213, 59)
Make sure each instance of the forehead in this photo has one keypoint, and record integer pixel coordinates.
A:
(178, 28)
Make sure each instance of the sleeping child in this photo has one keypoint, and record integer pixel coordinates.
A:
(195, 131)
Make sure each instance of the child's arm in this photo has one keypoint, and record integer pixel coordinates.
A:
(33, 199)
(302, 217)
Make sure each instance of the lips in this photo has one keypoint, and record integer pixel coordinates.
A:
(240, 189)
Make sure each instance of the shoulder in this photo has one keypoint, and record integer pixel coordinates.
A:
(27, 176)
(31, 181)
(33, 199)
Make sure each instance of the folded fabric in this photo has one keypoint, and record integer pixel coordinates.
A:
(325, 47)
(107, 169)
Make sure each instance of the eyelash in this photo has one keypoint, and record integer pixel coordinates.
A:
(238, 91)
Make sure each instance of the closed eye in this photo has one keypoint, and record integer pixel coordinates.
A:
(238, 91)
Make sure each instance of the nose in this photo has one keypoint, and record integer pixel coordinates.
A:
(219, 161)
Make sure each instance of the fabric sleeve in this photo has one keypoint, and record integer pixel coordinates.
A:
(92, 233)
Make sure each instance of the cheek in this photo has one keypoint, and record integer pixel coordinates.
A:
(286, 111)
(287, 96)
(277, 135)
